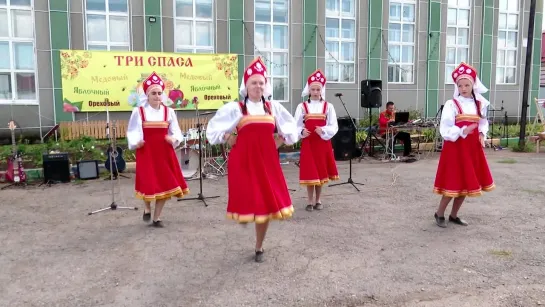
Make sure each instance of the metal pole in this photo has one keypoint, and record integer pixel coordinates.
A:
(526, 90)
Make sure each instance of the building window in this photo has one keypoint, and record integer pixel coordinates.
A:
(458, 24)
(508, 27)
(340, 40)
(401, 41)
(107, 25)
(194, 26)
(17, 63)
(271, 39)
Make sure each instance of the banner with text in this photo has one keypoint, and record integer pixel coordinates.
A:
(92, 80)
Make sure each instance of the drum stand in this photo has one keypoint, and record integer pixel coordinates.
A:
(200, 196)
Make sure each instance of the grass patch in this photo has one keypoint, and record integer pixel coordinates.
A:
(528, 147)
(501, 253)
(508, 161)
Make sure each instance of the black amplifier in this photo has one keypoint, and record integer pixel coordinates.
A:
(56, 167)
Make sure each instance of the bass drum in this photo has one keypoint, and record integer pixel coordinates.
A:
(189, 161)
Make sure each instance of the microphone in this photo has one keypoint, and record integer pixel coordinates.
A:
(338, 94)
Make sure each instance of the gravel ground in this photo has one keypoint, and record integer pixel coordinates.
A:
(377, 247)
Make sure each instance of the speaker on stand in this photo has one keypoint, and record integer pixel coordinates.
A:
(371, 94)
(371, 97)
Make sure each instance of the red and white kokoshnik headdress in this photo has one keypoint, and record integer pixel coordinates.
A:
(316, 77)
(151, 81)
(256, 67)
(466, 71)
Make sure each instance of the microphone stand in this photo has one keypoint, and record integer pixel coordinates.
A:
(200, 196)
(349, 181)
(112, 154)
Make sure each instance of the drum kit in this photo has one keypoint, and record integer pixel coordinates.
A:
(188, 153)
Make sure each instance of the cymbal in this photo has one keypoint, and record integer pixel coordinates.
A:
(207, 113)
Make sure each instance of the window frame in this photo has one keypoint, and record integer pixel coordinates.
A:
(13, 70)
(449, 68)
(106, 13)
(505, 49)
(262, 50)
(399, 65)
(337, 61)
(194, 19)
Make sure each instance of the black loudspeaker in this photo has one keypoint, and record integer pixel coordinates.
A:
(344, 142)
(88, 169)
(56, 167)
(371, 93)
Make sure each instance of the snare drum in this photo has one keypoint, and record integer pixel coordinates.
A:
(192, 136)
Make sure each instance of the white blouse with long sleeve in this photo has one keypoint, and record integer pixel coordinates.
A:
(449, 131)
(135, 133)
(227, 117)
(317, 107)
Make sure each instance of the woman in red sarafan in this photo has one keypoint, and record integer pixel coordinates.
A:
(257, 188)
(154, 132)
(463, 169)
(317, 124)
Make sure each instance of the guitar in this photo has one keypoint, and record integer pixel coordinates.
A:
(115, 154)
(15, 172)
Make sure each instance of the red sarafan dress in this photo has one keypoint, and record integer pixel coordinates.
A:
(158, 173)
(463, 169)
(258, 191)
(317, 163)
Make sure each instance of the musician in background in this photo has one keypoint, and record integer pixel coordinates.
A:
(154, 132)
(386, 119)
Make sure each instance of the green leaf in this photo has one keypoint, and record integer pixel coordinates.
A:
(77, 104)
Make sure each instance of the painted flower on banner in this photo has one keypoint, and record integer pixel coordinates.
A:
(72, 63)
(228, 64)
(134, 99)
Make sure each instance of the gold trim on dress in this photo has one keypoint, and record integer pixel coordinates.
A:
(314, 116)
(318, 182)
(472, 193)
(255, 119)
(284, 213)
(160, 124)
(177, 192)
(467, 118)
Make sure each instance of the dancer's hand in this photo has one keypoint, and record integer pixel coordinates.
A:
(170, 139)
(305, 132)
(470, 128)
(482, 139)
(319, 130)
(231, 139)
(139, 144)
(279, 141)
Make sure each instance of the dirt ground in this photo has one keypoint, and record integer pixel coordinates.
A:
(377, 247)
